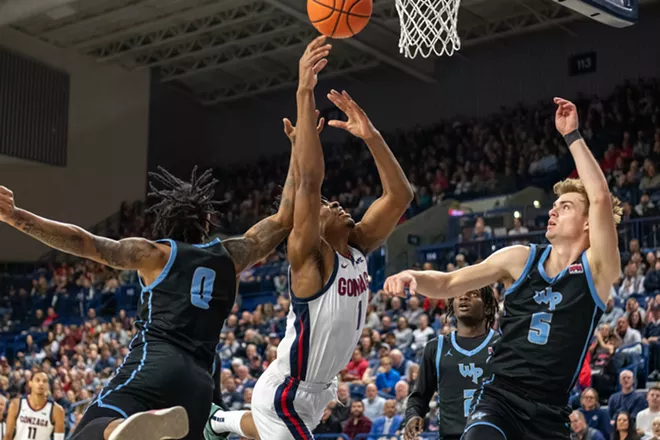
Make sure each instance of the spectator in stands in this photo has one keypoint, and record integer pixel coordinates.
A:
(635, 322)
(518, 228)
(645, 417)
(395, 312)
(341, 408)
(403, 334)
(651, 179)
(355, 368)
(632, 282)
(645, 207)
(632, 306)
(247, 399)
(652, 279)
(611, 314)
(373, 403)
(388, 423)
(595, 416)
(480, 232)
(421, 336)
(413, 311)
(628, 400)
(357, 423)
(580, 430)
(387, 377)
(232, 398)
(625, 427)
(402, 391)
(461, 262)
(651, 336)
(329, 424)
(373, 319)
(399, 362)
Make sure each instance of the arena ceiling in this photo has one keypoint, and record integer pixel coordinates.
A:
(224, 50)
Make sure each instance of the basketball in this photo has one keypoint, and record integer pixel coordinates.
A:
(339, 18)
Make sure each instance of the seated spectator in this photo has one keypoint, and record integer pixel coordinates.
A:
(389, 422)
(481, 231)
(611, 314)
(625, 427)
(518, 229)
(357, 423)
(355, 368)
(341, 408)
(232, 398)
(414, 311)
(635, 322)
(247, 399)
(328, 424)
(395, 312)
(651, 179)
(595, 416)
(387, 377)
(402, 391)
(655, 427)
(421, 336)
(651, 336)
(645, 417)
(373, 403)
(627, 400)
(631, 347)
(652, 279)
(632, 282)
(403, 334)
(580, 430)
(399, 362)
(632, 306)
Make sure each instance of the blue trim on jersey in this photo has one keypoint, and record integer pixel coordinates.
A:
(590, 281)
(438, 360)
(497, 428)
(584, 351)
(480, 392)
(166, 269)
(525, 272)
(285, 396)
(541, 267)
(209, 244)
(99, 400)
(331, 280)
(298, 355)
(463, 351)
(113, 408)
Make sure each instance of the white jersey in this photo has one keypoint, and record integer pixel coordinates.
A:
(322, 331)
(34, 424)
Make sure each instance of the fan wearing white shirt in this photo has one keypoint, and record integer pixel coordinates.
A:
(422, 335)
(645, 418)
(373, 403)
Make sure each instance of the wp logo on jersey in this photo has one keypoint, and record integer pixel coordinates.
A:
(549, 297)
(470, 370)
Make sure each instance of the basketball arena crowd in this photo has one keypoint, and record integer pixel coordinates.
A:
(74, 319)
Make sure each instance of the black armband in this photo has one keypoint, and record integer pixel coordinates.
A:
(572, 137)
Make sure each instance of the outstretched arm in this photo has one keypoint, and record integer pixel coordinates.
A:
(12, 414)
(261, 239)
(505, 264)
(603, 255)
(383, 215)
(130, 253)
(305, 238)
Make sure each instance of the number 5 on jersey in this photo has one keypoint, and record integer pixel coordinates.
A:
(202, 287)
(539, 329)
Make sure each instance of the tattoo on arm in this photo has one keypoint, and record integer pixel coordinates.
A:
(127, 253)
(256, 244)
(63, 238)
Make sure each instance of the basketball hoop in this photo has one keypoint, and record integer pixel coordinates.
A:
(428, 26)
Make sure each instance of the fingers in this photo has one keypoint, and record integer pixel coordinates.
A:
(320, 65)
(338, 124)
(322, 52)
(412, 287)
(337, 99)
(288, 126)
(316, 42)
(352, 101)
(6, 191)
(321, 124)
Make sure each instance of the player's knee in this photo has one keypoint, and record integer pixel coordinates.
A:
(483, 431)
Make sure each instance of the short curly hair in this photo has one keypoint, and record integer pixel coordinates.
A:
(576, 186)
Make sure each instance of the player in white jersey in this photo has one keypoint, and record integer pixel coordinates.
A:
(328, 274)
(35, 417)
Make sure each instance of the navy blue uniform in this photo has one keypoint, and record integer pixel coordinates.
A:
(172, 354)
(455, 367)
(546, 328)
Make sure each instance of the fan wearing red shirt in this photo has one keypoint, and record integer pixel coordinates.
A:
(355, 368)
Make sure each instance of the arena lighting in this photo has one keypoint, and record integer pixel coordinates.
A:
(516, 214)
(537, 204)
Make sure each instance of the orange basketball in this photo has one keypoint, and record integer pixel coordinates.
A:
(339, 18)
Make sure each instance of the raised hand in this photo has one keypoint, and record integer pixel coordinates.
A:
(566, 117)
(7, 206)
(396, 284)
(358, 123)
(290, 129)
(312, 62)
(414, 427)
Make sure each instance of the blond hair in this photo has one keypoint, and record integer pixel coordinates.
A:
(576, 186)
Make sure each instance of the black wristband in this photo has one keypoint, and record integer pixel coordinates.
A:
(572, 137)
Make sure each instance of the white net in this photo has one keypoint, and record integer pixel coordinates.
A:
(428, 26)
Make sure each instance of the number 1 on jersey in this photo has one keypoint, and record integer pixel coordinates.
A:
(359, 315)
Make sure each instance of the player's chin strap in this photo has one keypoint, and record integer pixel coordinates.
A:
(58, 436)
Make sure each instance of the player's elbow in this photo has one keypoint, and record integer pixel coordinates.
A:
(311, 181)
(601, 197)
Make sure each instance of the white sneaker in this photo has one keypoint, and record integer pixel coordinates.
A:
(162, 424)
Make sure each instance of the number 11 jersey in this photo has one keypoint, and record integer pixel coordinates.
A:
(323, 330)
(546, 326)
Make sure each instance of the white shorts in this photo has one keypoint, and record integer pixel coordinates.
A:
(284, 408)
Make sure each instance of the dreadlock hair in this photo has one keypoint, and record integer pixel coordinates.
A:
(184, 210)
(491, 308)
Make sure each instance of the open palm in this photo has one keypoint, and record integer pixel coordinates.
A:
(358, 123)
